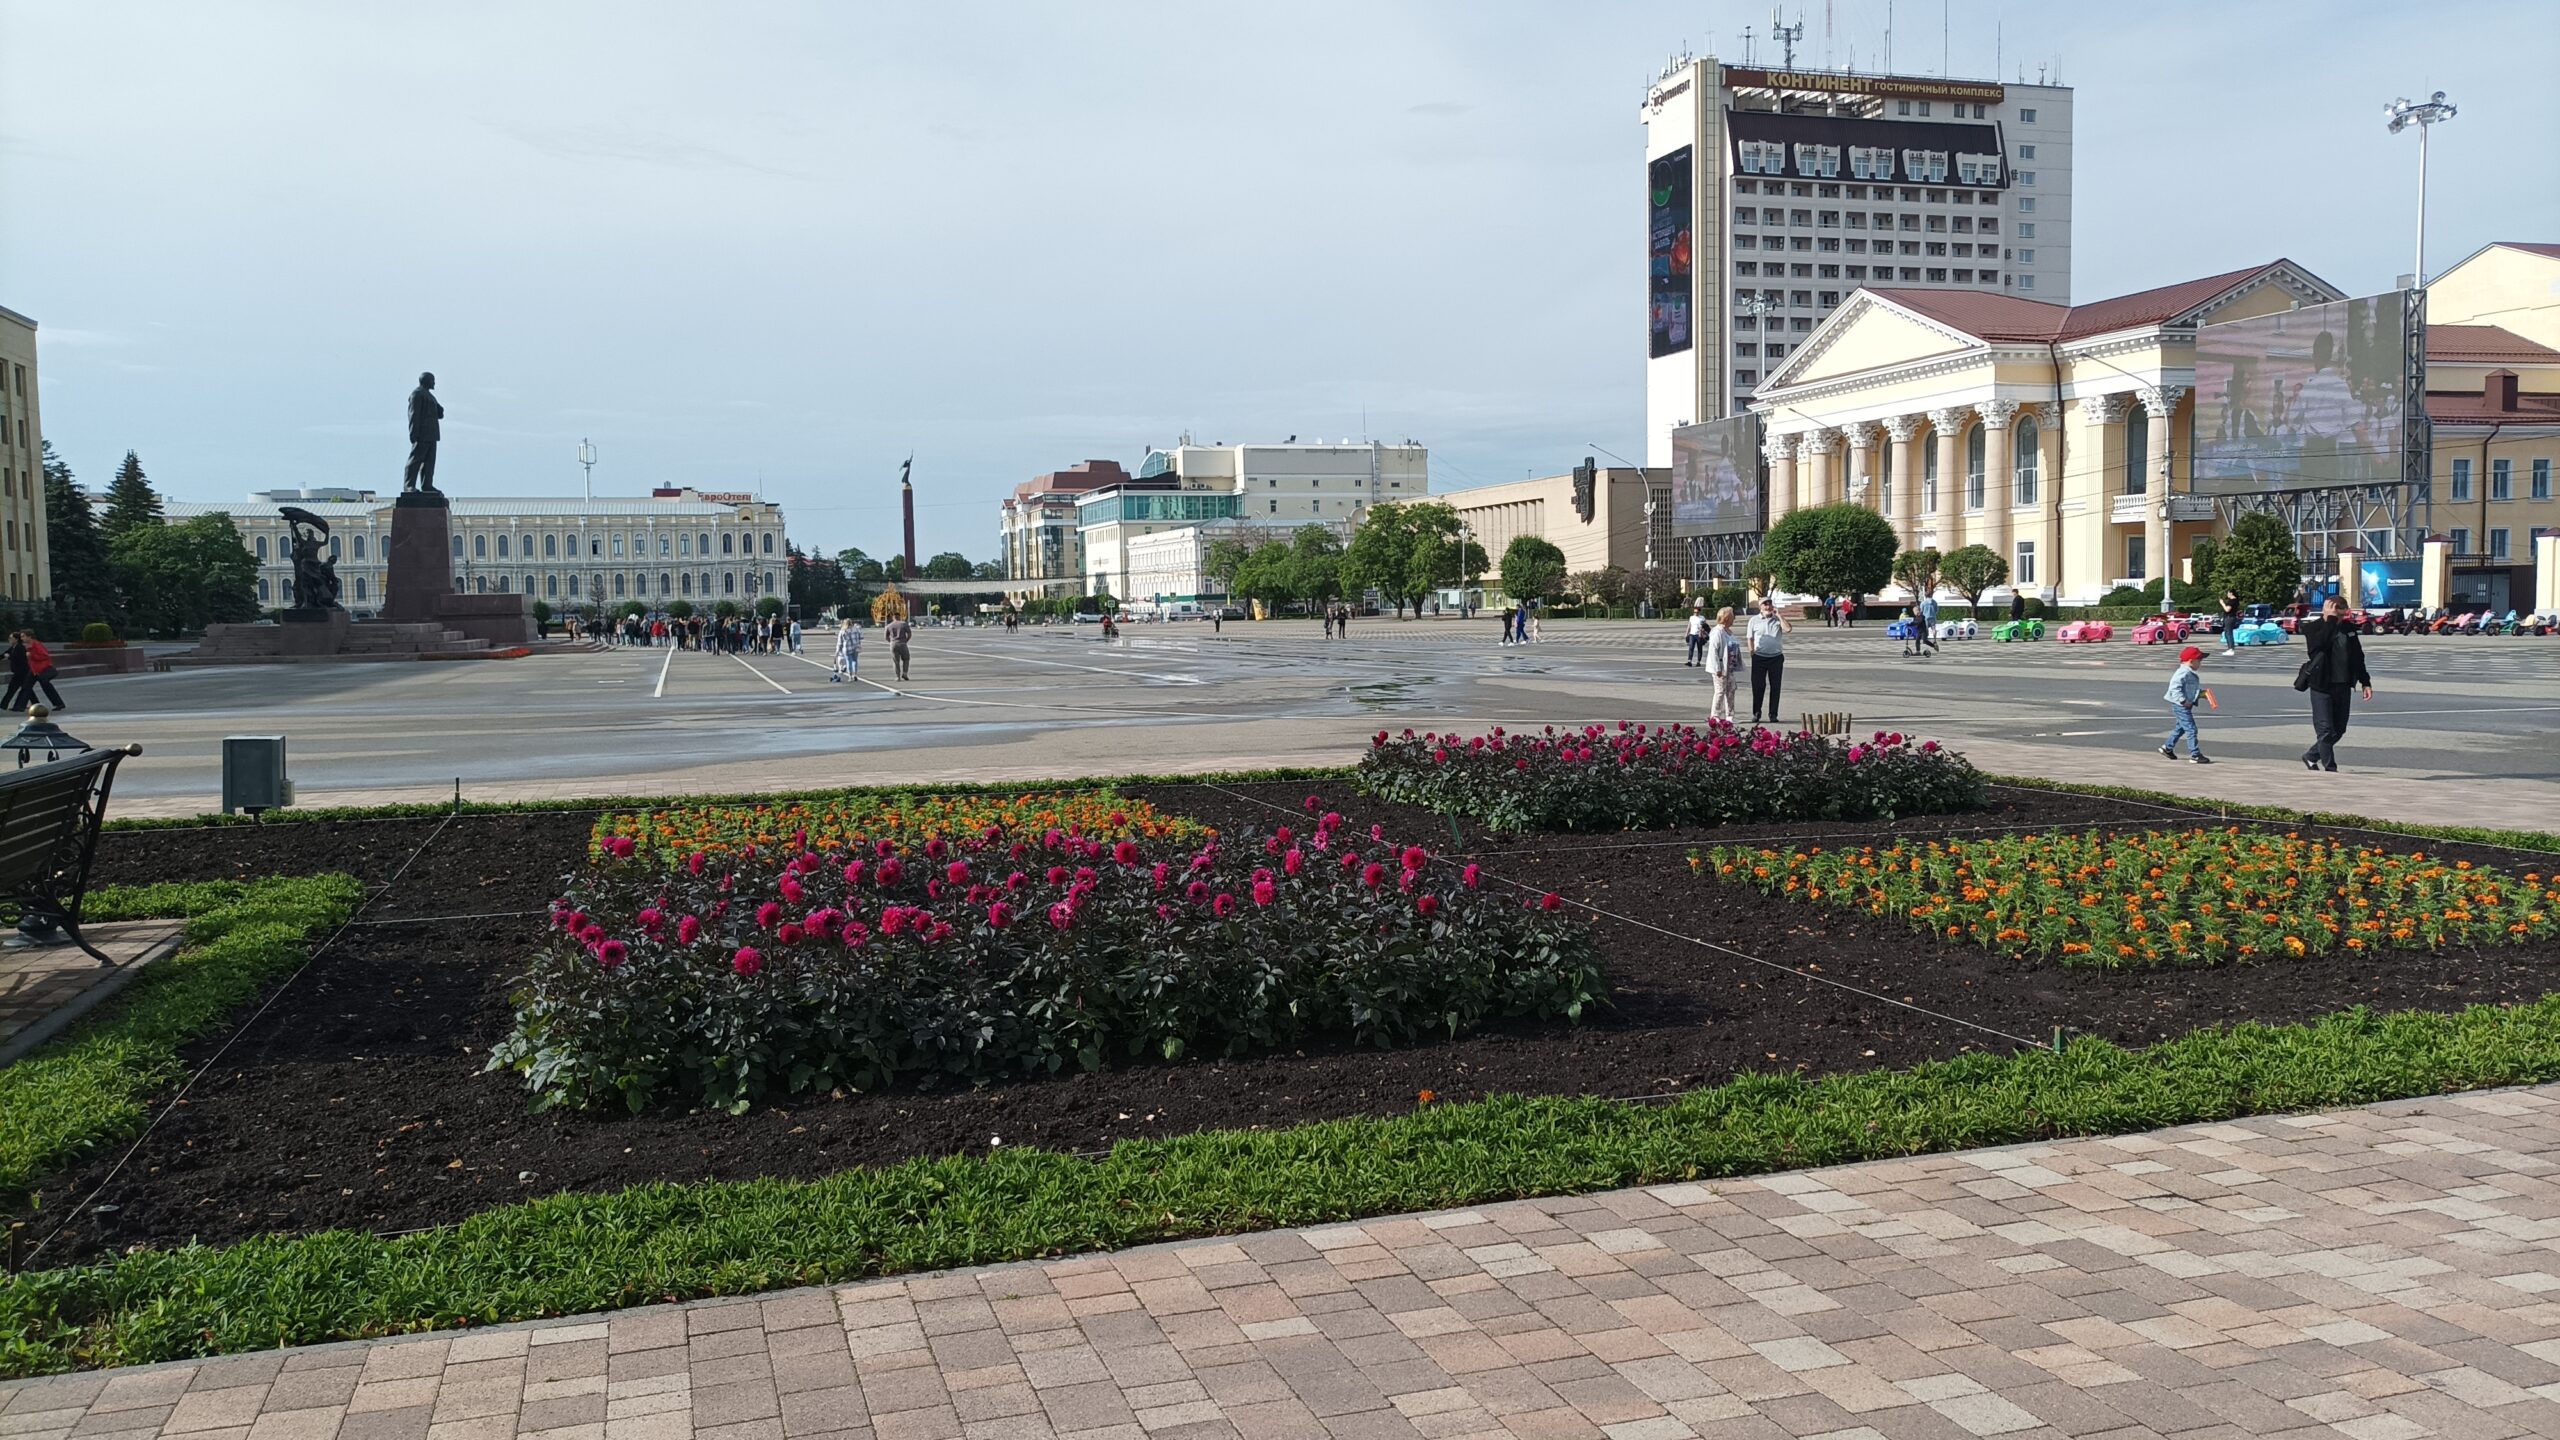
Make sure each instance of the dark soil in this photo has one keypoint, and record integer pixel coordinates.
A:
(358, 1099)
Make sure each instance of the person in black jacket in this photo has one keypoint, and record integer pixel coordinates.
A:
(2336, 664)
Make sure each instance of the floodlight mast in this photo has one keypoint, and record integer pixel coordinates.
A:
(2425, 114)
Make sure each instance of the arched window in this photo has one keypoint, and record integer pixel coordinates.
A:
(2029, 441)
(684, 546)
(262, 589)
(702, 546)
(728, 582)
(502, 547)
(2137, 450)
(528, 579)
(551, 586)
(457, 547)
(768, 542)
(688, 582)
(1973, 469)
(728, 542)
(360, 589)
(502, 584)
(550, 547)
(262, 555)
(480, 584)
(706, 582)
(617, 545)
(664, 542)
(359, 547)
(666, 583)
(1929, 478)
(1884, 475)
(595, 547)
(479, 547)
(618, 590)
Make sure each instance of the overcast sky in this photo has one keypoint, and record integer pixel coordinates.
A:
(779, 246)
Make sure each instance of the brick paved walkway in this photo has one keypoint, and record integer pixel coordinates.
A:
(44, 988)
(2381, 1273)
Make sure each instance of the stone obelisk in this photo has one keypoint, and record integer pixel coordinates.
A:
(907, 504)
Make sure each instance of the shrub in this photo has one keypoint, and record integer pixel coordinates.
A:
(1648, 778)
(1010, 951)
(2163, 897)
(97, 632)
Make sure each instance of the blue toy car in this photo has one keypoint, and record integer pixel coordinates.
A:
(2259, 632)
(1902, 630)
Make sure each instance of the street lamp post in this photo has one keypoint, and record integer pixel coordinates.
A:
(587, 462)
(2425, 114)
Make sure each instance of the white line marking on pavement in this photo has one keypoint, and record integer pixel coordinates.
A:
(661, 692)
(1109, 670)
(750, 669)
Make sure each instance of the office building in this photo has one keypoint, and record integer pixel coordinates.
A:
(672, 544)
(1261, 491)
(1775, 193)
(24, 563)
(1037, 531)
(1624, 519)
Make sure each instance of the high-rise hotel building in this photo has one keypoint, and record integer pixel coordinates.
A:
(1773, 194)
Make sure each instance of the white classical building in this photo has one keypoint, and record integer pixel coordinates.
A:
(673, 544)
(1257, 491)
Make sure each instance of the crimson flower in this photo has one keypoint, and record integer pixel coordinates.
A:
(1372, 875)
(1264, 892)
(1551, 901)
(747, 961)
(1428, 905)
(1223, 906)
(1470, 876)
(612, 953)
(687, 928)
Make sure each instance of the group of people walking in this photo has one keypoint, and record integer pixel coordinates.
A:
(30, 670)
(1520, 624)
(1337, 622)
(1724, 652)
(757, 635)
(900, 632)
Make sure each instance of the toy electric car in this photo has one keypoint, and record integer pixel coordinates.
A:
(2084, 632)
(1902, 630)
(2259, 632)
(2018, 630)
(2160, 630)
(1959, 630)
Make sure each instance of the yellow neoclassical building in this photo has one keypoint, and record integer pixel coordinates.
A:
(2054, 434)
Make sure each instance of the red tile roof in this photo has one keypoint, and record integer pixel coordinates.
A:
(2471, 407)
(2486, 345)
(1993, 317)
(2532, 247)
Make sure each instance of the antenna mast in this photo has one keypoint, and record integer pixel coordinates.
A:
(1786, 35)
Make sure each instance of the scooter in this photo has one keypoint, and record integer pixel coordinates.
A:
(2505, 626)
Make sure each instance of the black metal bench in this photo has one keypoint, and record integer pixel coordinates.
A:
(49, 818)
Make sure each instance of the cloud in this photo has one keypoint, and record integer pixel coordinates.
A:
(627, 142)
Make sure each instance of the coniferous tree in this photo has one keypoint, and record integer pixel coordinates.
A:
(83, 583)
(131, 502)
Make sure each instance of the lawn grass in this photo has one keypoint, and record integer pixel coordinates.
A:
(572, 1254)
(90, 1085)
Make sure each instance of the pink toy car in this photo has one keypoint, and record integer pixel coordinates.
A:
(2160, 630)
(2084, 632)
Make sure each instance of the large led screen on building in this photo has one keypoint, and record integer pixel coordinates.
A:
(1668, 246)
(1715, 477)
(2301, 399)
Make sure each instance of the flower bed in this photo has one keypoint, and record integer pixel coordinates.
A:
(788, 970)
(1653, 777)
(2186, 897)
(860, 821)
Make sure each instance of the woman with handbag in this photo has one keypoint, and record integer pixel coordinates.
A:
(2331, 674)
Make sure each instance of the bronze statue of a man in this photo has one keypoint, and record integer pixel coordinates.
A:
(426, 415)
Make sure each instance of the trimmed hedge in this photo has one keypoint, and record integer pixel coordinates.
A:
(88, 1087)
(573, 1254)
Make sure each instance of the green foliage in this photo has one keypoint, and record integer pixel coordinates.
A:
(769, 606)
(572, 1254)
(1222, 560)
(1532, 569)
(1917, 571)
(949, 565)
(1407, 549)
(1831, 550)
(97, 632)
(88, 1086)
(2260, 560)
(1758, 575)
(83, 579)
(1315, 565)
(542, 612)
(131, 502)
(177, 579)
(1657, 777)
(1606, 586)
(680, 609)
(726, 610)
(1973, 570)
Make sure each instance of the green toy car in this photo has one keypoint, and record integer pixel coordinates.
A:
(2019, 630)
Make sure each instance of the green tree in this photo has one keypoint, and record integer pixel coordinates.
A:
(1438, 555)
(1315, 564)
(83, 582)
(1972, 570)
(725, 609)
(177, 579)
(987, 570)
(1916, 571)
(680, 609)
(1532, 569)
(1604, 586)
(949, 565)
(131, 502)
(1266, 574)
(1655, 585)
(769, 606)
(1832, 550)
(1758, 575)
(1218, 565)
(2260, 560)
(1380, 552)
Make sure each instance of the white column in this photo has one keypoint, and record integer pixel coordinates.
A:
(1997, 483)
(1862, 461)
(1947, 429)
(1822, 473)
(1780, 452)
(2162, 403)
(2106, 414)
(1901, 430)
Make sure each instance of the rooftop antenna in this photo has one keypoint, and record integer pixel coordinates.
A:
(1888, 37)
(1946, 44)
(1746, 45)
(1999, 48)
(1786, 35)
(1826, 34)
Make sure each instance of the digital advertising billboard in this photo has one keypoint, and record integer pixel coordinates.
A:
(2301, 399)
(1668, 248)
(1715, 477)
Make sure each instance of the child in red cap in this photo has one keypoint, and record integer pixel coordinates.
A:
(2186, 687)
